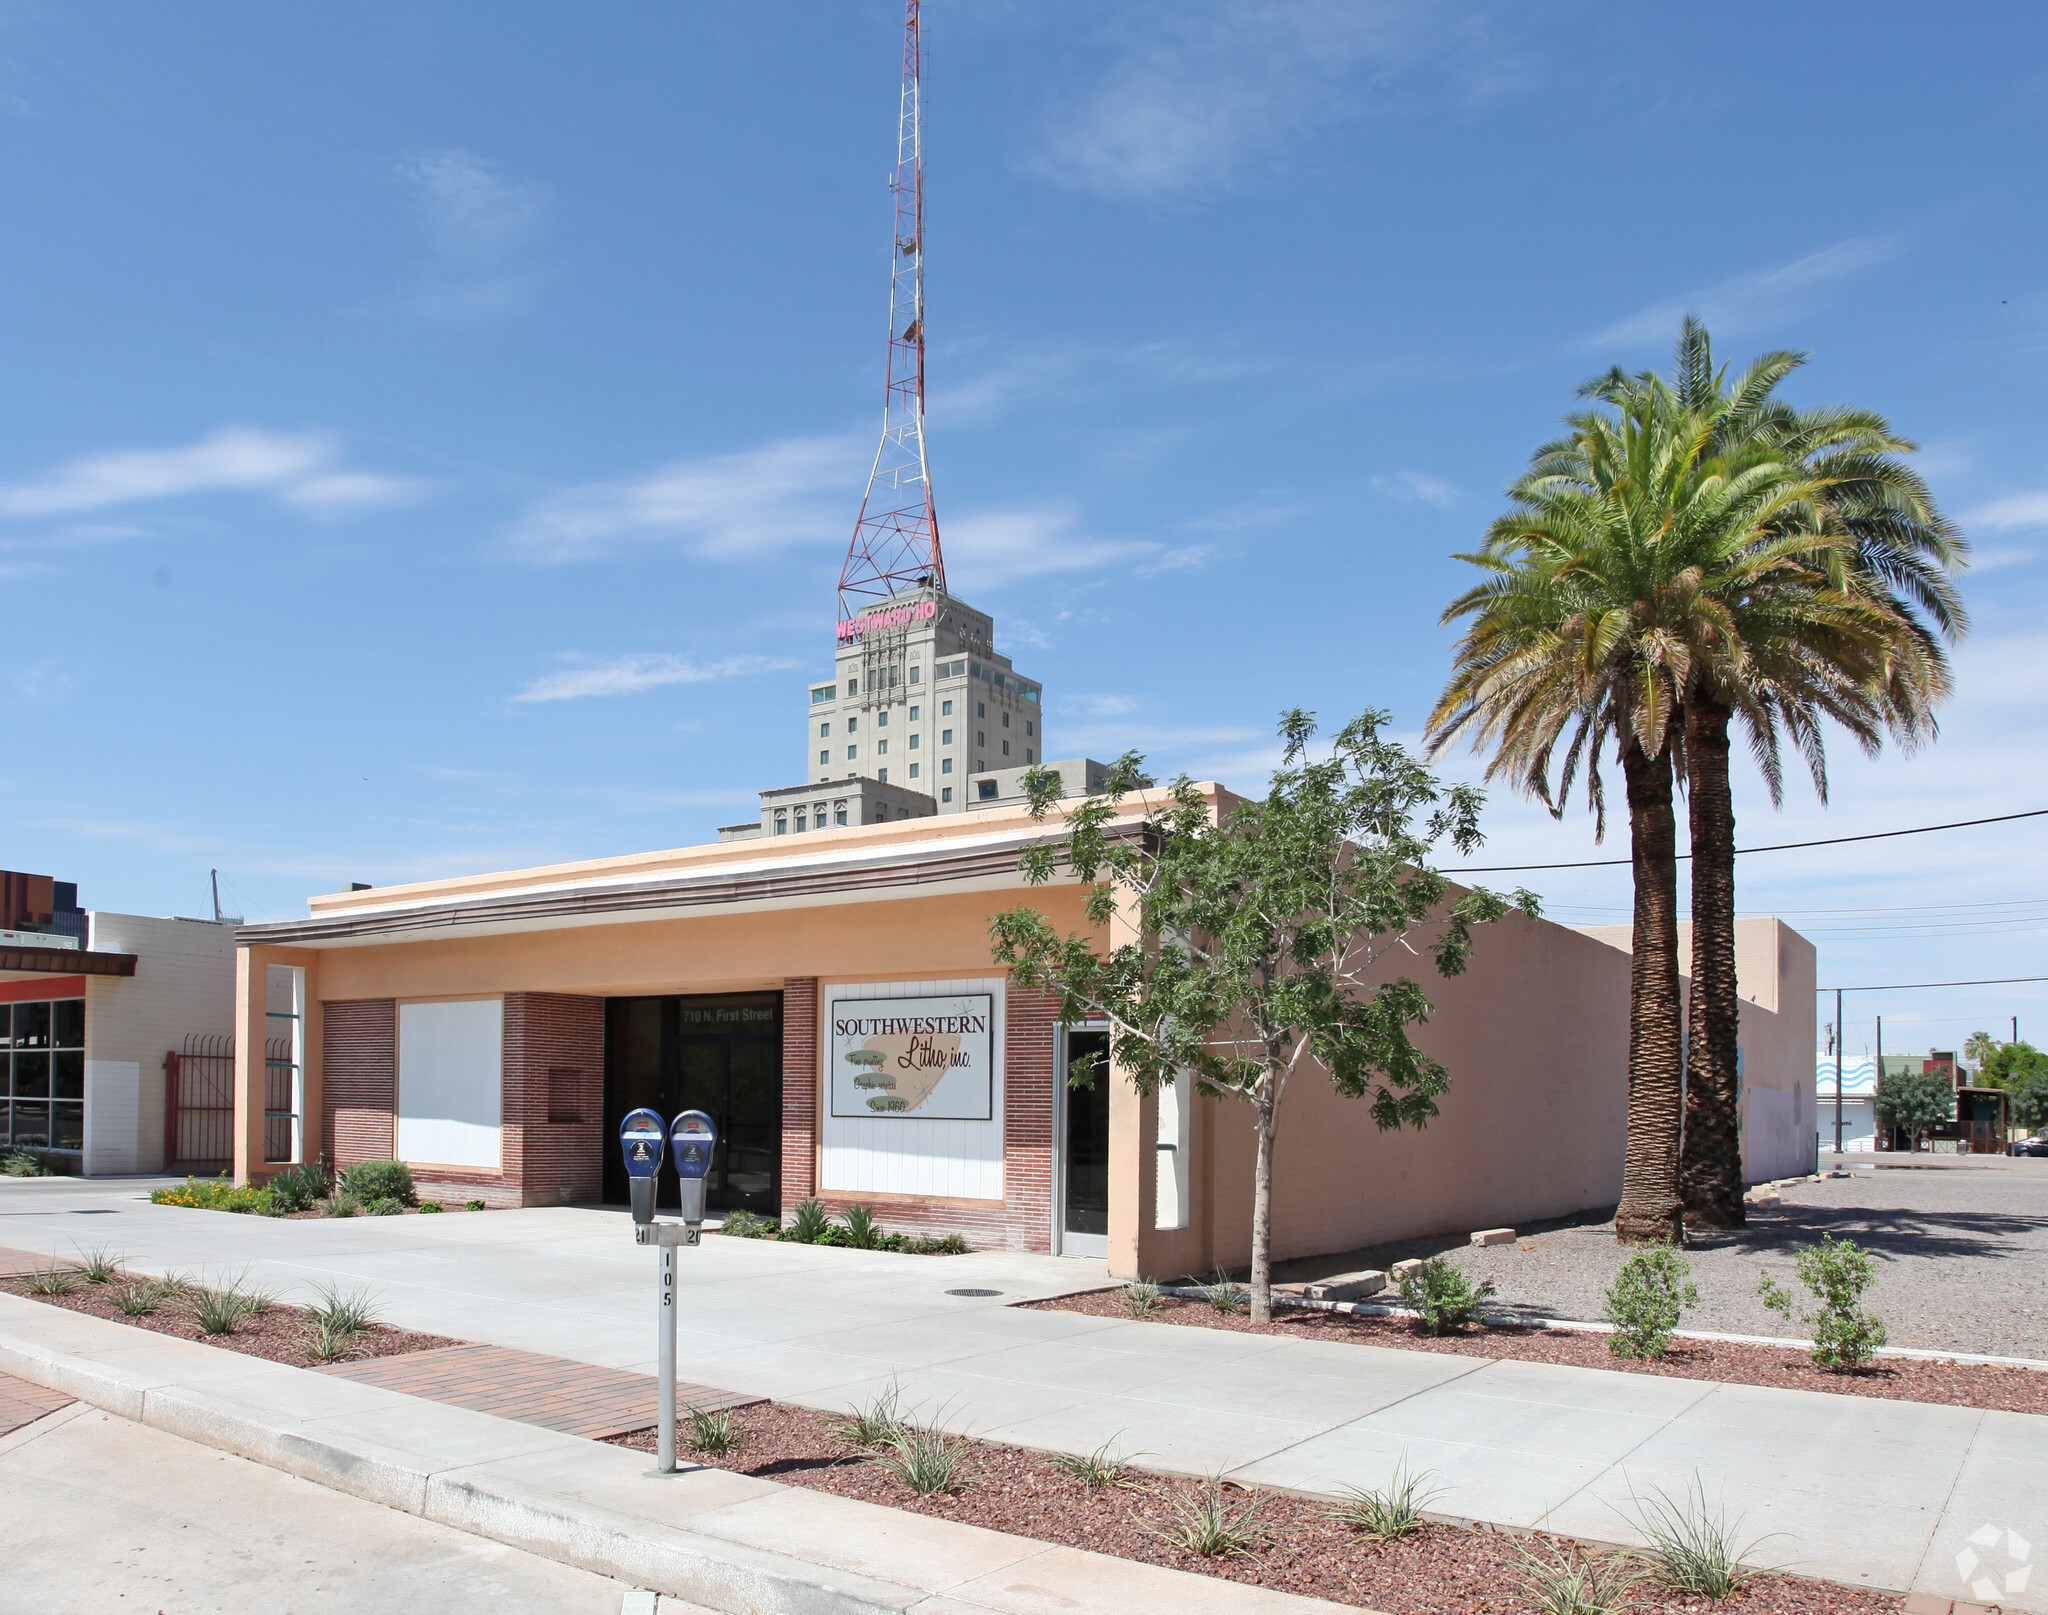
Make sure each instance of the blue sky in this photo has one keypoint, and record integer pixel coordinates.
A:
(432, 432)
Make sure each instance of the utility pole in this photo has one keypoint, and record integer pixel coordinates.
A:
(216, 902)
(1880, 1065)
(1838, 1072)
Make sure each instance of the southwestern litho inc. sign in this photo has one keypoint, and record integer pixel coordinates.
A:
(927, 1058)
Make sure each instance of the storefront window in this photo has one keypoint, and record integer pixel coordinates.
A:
(44, 1044)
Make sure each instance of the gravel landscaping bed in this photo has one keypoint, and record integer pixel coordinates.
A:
(1899, 1379)
(1294, 1547)
(1962, 1258)
(279, 1333)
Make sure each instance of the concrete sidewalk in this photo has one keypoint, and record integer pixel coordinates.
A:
(725, 1541)
(1869, 1492)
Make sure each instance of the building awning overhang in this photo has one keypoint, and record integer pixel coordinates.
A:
(67, 962)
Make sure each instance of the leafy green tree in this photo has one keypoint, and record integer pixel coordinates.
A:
(1250, 944)
(2006, 1065)
(2030, 1102)
(1914, 1101)
(1849, 628)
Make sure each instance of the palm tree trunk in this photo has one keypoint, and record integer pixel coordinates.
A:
(1649, 1209)
(1262, 1218)
(1710, 1176)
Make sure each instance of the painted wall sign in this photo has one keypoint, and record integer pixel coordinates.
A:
(917, 1058)
(893, 617)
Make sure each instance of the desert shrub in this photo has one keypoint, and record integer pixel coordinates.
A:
(712, 1432)
(16, 1162)
(1645, 1300)
(807, 1223)
(1098, 1468)
(430, 1206)
(473, 1205)
(1391, 1512)
(1140, 1300)
(875, 1424)
(53, 1281)
(140, 1300)
(217, 1312)
(350, 1311)
(929, 1462)
(1566, 1580)
(1447, 1299)
(215, 1194)
(745, 1225)
(327, 1344)
(341, 1205)
(1693, 1548)
(371, 1181)
(98, 1265)
(389, 1206)
(298, 1188)
(1223, 1295)
(1208, 1523)
(926, 1244)
(861, 1230)
(1837, 1272)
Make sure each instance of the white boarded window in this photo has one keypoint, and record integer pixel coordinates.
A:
(451, 1083)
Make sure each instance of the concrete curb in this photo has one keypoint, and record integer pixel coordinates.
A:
(728, 1542)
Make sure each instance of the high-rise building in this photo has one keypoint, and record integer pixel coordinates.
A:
(920, 698)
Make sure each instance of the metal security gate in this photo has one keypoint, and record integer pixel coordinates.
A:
(199, 1103)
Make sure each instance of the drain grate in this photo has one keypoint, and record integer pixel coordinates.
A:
(974, 1292)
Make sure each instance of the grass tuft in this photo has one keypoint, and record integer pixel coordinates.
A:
(1098, 1468)
(1208, 1523)
(98, 1266)
(1565, 1580)
(1140, 1300)
(350, 1311)
(53, 1281)
(1391, 1512)
(712, 1432)
(1224, 1296)
(327, 1343)
(875, 1425)
(217, 1312)
(929, 1462)
(1694, 1548)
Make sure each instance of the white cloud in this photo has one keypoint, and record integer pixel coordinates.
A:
(1188, 558)
(480, 227)
(1103, 706)
(1749, 301)
(1199, 89)
(723, 507)
(1418, 487)
(1005, 546)
(2014, 514)
(628, 675)
(300, 468)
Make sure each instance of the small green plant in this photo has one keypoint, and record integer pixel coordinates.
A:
(1693, 1548)
(389, 1206)
(327, 1344)
(298, 1188)
(878, 1423)
(217, 1312)
(1098, 1468)
(931, 1244)
(371, 1181)
(216, 1194)
(712, 1432)
(1567, 1580)
(341, 1205)
(141, 1299)
(1837, 1272)
(98, 1265)
(1440, 1291)
(929, 1462)
(1139, 1300)
(1645, 1300)
(862, 1231)
(1391, 1512)
(21, 1163)
(53, 1281)
(1223, 1295)
(807, 1223)
(473, 1205)
(1209, 1523)
(350, 1311)
(745, 1225)
(428, 1207)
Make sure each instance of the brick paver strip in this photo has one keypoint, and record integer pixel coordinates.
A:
(578, 1399)
(22, 1403)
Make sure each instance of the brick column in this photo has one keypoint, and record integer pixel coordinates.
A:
(1027, 1118)
(799, 1089)
(360, 1093)
(554, 1099)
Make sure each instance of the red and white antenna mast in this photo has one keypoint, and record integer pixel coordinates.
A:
(896, 541)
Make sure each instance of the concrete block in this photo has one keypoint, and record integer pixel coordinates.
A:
(1494, 1236)
(1925, 1604)
(1347, 1286)
(1400, 1270)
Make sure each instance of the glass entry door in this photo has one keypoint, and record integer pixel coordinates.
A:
(721, 1055)
(1084, 1147)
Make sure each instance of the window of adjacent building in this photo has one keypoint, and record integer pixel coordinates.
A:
(914, 739)
(838, 812)
(782, 824)
(43, 1045)
(853, 687)
(1006, 748)
(882, 718)
(981, 709)
(852, 724)
(1028, 729)
(824, 692)
(913, 714)
(945, 765)
(914, 675)
(881, 748)
(945, 709)
(1027, 754)
(882, 776)
(799, 822)
(981, 737)
(945, 737)
(824, 731)
(818, 817)
(914, 768)
(987, 788)
(1006, 720)
(946, 791)
(852, 752)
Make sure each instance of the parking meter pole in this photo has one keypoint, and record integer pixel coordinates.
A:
(665, 1446)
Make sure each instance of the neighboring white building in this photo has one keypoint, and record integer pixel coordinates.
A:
(1859, 1092)
(87, 1030)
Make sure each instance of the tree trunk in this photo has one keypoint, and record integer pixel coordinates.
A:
(1710, 1176)
(1262, 1219)
(1649, 1209)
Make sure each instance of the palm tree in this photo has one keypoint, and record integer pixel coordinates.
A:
(1634, 559)
(1878, 672)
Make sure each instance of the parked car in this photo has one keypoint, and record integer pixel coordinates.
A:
(2037, 1145)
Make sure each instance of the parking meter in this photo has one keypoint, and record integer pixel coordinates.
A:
(640, 1139)
(694, 1138)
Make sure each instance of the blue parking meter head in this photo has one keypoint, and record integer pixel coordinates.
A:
(641, 1141)
(694, 1137)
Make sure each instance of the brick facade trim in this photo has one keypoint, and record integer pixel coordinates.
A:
(359, 1088)
(801, 1078)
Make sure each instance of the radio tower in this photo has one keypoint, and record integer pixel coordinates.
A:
(896, 540)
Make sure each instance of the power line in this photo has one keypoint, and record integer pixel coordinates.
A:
(1911, 986)
(1783, 846)
(1780, 913)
